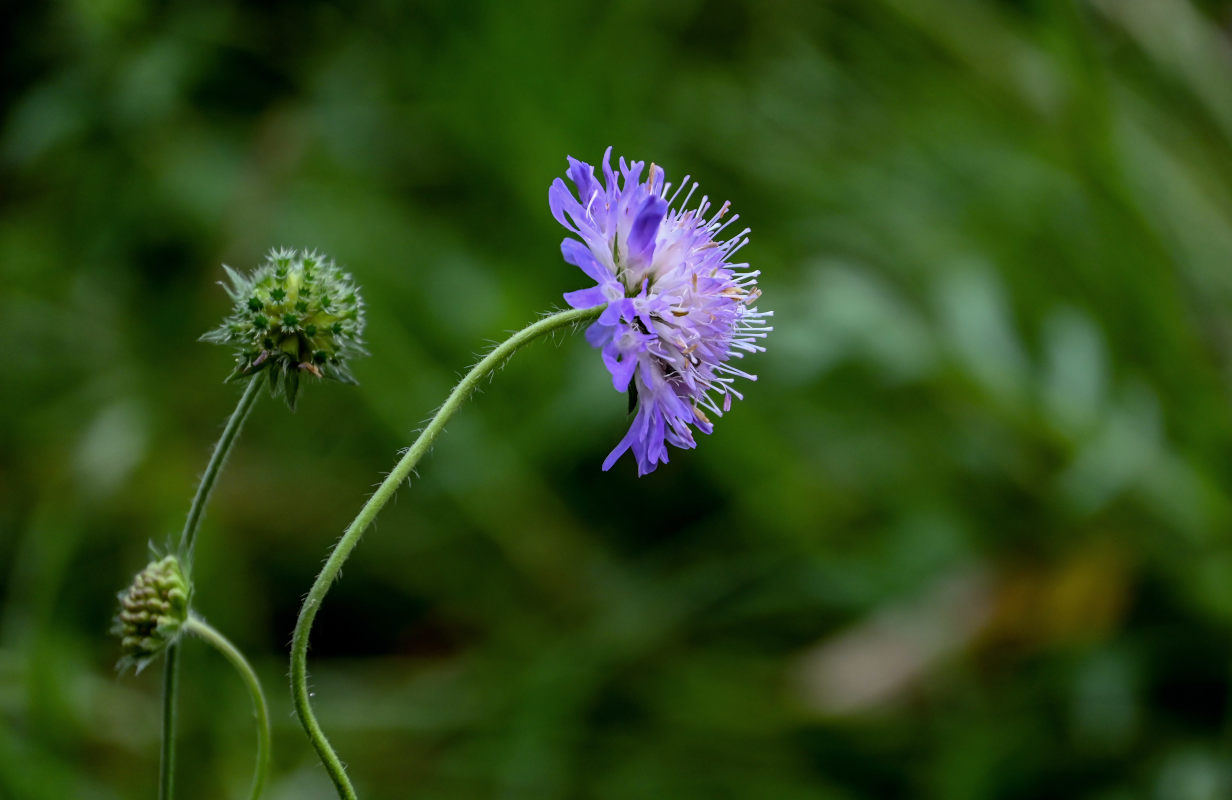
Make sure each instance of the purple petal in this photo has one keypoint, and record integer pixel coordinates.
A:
(632, 172)
(635, 439)
(646, 228)
(586, 298)
(579, 255)
(583, 176)
(621, 364)
(599, 334)
(647, 321)
(647, 466)
(654, 441)
(630, 440)
(609, 178)
(618, 451)
(615, 311)
(560, 201)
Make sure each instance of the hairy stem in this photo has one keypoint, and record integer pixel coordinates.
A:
(202, 630)
(166, 762)
(171, 667)
(383, 494)
(221, 450)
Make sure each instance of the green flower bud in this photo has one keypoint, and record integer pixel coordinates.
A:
(297, 313)
(152, 611)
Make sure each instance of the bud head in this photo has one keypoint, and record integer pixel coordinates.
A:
(297, 313)
(152, 611)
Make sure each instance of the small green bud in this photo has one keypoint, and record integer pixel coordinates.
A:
(152, 611)
(299, 327)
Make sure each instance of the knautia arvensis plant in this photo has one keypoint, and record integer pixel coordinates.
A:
(297, 314)
(669, 312)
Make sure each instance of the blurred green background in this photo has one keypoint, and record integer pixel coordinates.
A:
(968, 536)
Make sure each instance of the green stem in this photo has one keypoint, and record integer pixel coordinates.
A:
(221, 450)
(383, 494)
(166, 763)
(202, 630)
(171, 667)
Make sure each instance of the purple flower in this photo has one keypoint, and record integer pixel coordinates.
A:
(677, 310)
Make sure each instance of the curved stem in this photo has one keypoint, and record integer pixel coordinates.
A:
(383, 494)
(202, 630)
(171, 667)
(221, 450)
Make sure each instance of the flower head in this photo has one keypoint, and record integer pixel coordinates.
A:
(297, 313)
(677, 309)
(152, 611)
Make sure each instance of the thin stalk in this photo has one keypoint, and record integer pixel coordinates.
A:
(166, 762)
(221, 450)
(202, 630)
(383, 494)
(188, 537)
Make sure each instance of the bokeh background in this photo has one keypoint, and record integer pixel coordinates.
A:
(968, 536)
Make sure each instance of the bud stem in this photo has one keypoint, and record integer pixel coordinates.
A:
(221, 450)
(383, 494)
(171, 681)
(188, 537)
(203, 630)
